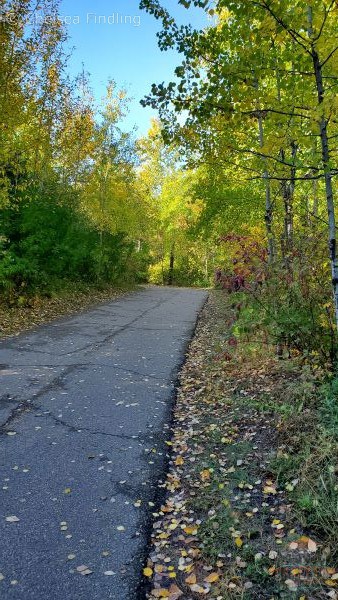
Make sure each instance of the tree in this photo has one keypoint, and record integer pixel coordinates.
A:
(261, 61)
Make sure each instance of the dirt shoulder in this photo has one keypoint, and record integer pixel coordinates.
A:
(243, 461)
(40, 310)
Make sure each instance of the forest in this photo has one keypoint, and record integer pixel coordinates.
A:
(82, 200)
(233, 190)
(242, 189)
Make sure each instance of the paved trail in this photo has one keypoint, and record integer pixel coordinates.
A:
(84, 402)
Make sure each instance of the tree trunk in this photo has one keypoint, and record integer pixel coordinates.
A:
(327, 171)
(288, 190)
(206, 268)
(171, 266)
(268, 202)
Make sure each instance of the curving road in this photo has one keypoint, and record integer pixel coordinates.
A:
(85, 409)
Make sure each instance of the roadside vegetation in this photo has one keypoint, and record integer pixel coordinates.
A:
(82, 201)
(251, 495)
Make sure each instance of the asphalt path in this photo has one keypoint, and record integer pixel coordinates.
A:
(85, 413)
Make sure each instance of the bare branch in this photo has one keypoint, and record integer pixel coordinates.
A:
(329, 56)
(316, 38)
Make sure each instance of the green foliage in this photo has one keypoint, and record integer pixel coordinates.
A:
(43, 245)
(254, 90)
(71, 207)
(289, 319)
(187, 272)
(310, 459)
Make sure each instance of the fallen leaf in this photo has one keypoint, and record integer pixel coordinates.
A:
(159, 568)
(293, 546)
(198, 589)
(84, 570)
(212, 578)
(330, 583)
(161, 593)
(190, 530)
(268, 489)
(191, 580)
(175, 592)
(312, 546)
(291, 585)
(12, 519)
(205, 475)
(147, 572)
(303, 539)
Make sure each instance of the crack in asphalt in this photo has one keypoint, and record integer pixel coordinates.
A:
(90, 364)
(28, 405)
(24, 405)
(104, 340)
(132, 440)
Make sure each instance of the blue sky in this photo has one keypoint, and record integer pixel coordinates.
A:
(126, 52)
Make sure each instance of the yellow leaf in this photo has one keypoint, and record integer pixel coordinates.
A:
(303, 540)
(239, 542)
(205, 475)
(67, 491)
(160, 593)
(179, 461)
(147, 572)
(212, 578)
(330, 583)
(190, 530)
(191, 580)
(269, 490)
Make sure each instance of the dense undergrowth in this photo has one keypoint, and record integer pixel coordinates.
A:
(46, 249)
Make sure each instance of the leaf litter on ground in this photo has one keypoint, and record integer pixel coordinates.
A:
(227, 528)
